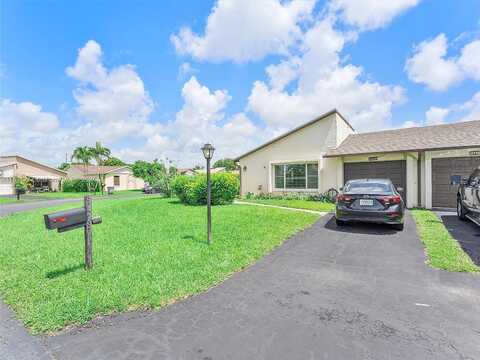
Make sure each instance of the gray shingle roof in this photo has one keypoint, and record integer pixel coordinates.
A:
(456, 135)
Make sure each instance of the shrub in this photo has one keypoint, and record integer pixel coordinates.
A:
(193, 190)
(289, 196)
(81, 185)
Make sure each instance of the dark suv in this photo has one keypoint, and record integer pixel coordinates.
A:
(468, 198)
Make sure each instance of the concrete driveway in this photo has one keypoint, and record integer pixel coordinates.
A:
(359, 292)
(465, 232)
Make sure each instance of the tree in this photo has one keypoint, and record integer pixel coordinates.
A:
(156, 174)
(100, 154)
(113, 161)
(64, 166)
(228, 164)
(83, 154)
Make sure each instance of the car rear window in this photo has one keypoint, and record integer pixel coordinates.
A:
(368, 188)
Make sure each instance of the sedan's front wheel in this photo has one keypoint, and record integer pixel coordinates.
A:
(461, 210)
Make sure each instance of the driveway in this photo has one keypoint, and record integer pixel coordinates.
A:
(358, 292)
(11, 208)
(465, 232)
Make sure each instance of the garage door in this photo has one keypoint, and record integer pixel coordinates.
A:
(6, 187)
(445, 173)
(393, 170)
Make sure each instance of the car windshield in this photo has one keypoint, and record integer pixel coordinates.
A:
(369, 187)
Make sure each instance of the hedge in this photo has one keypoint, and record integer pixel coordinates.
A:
(192, 190)
(80, 185)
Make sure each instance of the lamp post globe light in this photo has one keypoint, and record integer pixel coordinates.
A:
(208, 150)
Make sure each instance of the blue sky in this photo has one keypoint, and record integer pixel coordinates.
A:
(401, 63)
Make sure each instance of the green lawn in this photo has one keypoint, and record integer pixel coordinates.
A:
(66, 195)
(442, 250)
(5, 200)
(148, 252)
(298, 204)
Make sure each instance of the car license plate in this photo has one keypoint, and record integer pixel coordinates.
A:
(366, 202)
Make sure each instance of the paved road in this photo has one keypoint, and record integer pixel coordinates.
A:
(465, 232)
(359, 292)
(7, 209)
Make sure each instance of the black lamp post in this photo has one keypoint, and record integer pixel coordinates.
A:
(208, 150)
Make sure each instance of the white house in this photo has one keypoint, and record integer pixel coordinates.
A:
(425, 163)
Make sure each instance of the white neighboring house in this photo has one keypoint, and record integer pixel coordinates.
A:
(426, 163)
(118, 177)
(42, 176)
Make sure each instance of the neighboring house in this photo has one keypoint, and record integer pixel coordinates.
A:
(118, 177)
(186, 172)
(212, 170)
(425, 163)
(43, 176)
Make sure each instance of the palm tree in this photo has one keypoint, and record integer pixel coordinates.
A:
(100, 154)
(83, 154)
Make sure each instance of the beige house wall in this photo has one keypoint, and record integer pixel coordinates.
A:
(127, 180)
(308, 144)
(25, 167)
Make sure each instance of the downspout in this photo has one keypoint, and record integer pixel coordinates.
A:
(419, 178)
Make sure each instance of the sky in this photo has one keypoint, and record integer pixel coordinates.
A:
(158, 79)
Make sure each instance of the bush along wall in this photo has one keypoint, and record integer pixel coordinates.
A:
(192, 190)
(81, 185)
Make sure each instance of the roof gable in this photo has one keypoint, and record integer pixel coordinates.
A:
(294, 130)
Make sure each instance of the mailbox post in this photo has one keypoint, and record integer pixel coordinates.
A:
(88, 233)
(73, 219)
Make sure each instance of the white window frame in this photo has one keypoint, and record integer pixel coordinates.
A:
(299, 162)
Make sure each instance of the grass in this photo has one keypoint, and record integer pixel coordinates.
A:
(443, 251)
(9, 200)
(67, 195)
(297, 204)
(148, 253)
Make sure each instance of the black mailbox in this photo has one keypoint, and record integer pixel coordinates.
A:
(66, 220)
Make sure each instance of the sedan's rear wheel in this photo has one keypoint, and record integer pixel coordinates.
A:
(398, 227)
(461, 210)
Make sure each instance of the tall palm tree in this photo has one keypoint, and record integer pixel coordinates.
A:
(100, 154)
(83, 154)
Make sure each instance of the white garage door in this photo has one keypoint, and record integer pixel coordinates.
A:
(6, 186)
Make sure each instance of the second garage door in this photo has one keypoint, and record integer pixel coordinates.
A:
(393, 170)
(445, 175)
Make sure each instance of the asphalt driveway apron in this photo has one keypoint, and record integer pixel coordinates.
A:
(361, 292)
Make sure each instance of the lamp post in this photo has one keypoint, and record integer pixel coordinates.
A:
(208, 150)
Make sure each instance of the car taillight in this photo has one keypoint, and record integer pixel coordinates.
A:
(391, 200)
(344, 198)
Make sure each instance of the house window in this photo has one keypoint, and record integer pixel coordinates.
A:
(116, 180)
(296, 176)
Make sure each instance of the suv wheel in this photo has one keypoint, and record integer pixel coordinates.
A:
(339, 222)
(460, 210)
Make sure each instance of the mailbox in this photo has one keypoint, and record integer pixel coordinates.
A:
(66, 220)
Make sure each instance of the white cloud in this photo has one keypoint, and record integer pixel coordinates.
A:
(470, 59)
(201, 119)
(371, 14)
(470, 109)
(436, 115)
(244, 30)
(429, 64)
(184, 70)
(324, 82)
(113, 103)
(114, 107)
